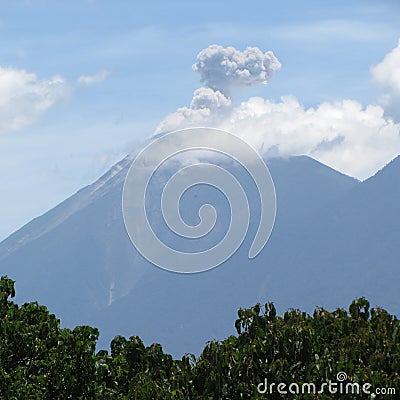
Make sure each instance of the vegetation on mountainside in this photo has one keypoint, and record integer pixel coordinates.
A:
(40, 360)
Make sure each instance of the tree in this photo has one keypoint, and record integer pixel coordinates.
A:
(39, 360)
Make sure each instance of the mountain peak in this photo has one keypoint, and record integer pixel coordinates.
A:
(78, 258)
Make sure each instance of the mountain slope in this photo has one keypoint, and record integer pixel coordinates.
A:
(78, 259)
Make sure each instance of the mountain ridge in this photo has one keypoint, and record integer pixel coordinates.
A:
(84, 267)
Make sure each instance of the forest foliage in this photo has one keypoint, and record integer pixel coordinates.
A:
(41, 360)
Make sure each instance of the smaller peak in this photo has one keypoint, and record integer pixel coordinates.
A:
(390, 171)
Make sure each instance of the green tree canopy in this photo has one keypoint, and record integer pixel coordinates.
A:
(40, 360)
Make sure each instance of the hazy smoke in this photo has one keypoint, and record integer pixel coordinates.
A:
(345, 135)
(207, 107)
(209, 98)
(225, 67)
(221, 68)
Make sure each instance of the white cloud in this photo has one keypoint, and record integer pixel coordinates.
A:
(225, 67)
(24, 97)
(387, 75)
(350, 138)
(387, 72)
(354, 140)
(89, 80)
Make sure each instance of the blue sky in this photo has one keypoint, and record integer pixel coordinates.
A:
(137, 58)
